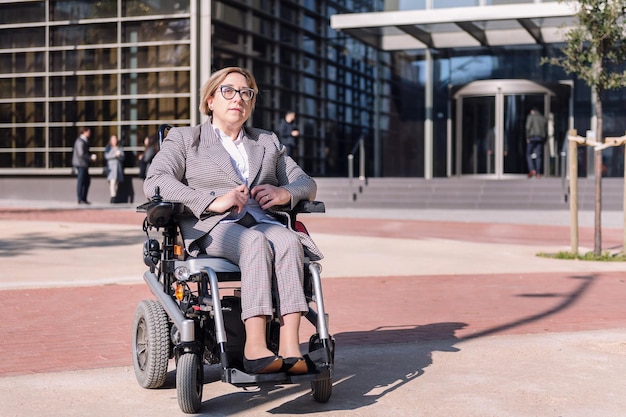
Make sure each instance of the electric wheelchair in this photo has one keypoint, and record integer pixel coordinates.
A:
(196, 318)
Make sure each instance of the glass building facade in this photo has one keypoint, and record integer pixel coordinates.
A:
(438, 129)
(117, 67)
(125, 66)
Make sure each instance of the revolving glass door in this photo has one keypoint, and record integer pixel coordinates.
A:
(490, 126)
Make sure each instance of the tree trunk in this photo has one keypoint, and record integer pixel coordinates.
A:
(597, 235)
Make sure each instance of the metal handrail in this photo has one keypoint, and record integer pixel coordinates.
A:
(360, 144)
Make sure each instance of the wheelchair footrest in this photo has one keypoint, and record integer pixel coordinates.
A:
(240, 378)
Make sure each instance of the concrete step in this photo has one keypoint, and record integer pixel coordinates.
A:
(417, 193)
(457, 193)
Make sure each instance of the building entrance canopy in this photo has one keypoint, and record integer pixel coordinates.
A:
(460, 27)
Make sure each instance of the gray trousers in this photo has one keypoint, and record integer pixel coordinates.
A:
(264, 253)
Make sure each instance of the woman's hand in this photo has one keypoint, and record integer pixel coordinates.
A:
(237, 198)
(267, 196)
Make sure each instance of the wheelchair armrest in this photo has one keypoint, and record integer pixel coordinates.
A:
(160, 213)
(307, 206)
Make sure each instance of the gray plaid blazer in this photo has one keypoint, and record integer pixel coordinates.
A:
(192, 167)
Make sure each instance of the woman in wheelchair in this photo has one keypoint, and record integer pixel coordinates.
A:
(239, 182)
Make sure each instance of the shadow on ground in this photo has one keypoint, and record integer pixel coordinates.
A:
(364, 374)
(26, 243)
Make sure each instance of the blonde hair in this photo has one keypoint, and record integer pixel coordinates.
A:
(216, 79)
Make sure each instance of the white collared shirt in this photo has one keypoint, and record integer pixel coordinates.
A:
(239, 159)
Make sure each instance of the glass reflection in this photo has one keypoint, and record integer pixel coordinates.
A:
(83, 34)
(154, 7)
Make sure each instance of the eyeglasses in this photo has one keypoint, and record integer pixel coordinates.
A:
(228, 93)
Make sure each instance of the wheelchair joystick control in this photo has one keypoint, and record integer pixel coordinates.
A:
(156, 198)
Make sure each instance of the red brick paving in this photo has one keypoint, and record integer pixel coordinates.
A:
(90, 327)
(45, 330)
(410, 229)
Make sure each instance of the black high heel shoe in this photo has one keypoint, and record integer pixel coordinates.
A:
(264, 365)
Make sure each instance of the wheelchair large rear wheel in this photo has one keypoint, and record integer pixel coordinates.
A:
(189, 382)
(150, 344)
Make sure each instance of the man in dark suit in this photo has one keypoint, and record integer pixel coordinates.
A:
(81, 159)
(288, 132)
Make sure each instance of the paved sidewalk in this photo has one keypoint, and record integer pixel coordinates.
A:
(443, 314)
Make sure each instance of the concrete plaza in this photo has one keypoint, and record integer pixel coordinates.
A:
(435, 313)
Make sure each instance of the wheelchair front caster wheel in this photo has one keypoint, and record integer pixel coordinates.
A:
(189, 382)
(322, 386)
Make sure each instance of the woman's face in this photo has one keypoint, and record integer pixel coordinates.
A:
(113, 141)
(233, 113)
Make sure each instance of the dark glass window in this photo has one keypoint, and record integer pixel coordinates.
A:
(261, 26)
(155, 82)
(312, 5)
(22, 137)
(223, 58)
(309, 65)
(228, 38)
(155, 56)
(22, 87)
(309, 23)
(263, 48)
(22, 159)
(83, 34)
(23, 12)
(262, 73)
(331, 91)
(331, 53)
(22, 112)
(159, 30)
(83, 59)
(62, 136)
(309, 86)
(288, 100)
(22, 62)
(288, 79)
(83, 85)
(262, 5)
(288, 13)
(60, 159)
(309, 44)
(331, 111)
(133, 135)
(83, 111)
(22, 38)
(156, 109)
(228, 14)
(7, 113)
(78, 10)
(146, 7)
(288, 35)
(308, 107)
